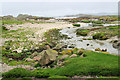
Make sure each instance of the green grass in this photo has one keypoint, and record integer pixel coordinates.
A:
(95, 64)
(53, 35)
(15, 63)
(97, 25)
(86, 21)
(100, 36)
(78, 25)
(56, 77)
(24, 78)
(111, 31)
(21, 22)
(82, 32)
(96, 22)
(17, 72)
(19, 33)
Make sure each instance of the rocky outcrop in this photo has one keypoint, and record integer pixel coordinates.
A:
(46, 57)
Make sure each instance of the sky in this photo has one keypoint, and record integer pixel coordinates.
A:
(59, 0)
(51, 8)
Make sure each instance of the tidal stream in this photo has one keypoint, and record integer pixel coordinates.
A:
(78, 41)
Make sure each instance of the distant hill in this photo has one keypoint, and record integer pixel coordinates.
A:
(79, 15)
(90, 15)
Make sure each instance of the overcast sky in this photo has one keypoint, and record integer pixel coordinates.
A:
(41, 8)
(59, 0)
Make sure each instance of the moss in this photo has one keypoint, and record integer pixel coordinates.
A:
(78, 25)
(53, 35)
(86, 21)
(17, 72)
(82, 32)
(67, 52)
(57, 77)
(26, 78)
(100, 36)
(21, 22)
(97, 25)
(114, 27)
(94, 64)
(89, 39)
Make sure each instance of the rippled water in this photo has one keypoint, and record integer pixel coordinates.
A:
(78, 41)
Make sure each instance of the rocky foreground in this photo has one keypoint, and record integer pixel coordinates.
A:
(39, 49)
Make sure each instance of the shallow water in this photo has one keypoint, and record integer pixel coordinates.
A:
(78, 41)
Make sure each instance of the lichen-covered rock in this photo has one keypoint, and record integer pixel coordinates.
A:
(59, 46)
(67, 51)
(97, 49)
(46, 56)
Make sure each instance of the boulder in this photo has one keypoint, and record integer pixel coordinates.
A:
(73, 55)
(28, 59)
(46, 56)
(67, 51)
(64, 56)
(59, 46)
(35, 54)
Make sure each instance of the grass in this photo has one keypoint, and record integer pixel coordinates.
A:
(100, 36)
(96, 22)
(82, 32)
(17, 72)
(95, 64)
(53, 35)
(97, 25)
(14, 62)
(19, 33)
(86, 21)
(56, 77)
(111, 31)
(78, 25)
(21, 22)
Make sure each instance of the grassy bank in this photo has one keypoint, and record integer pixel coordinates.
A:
(95, 64)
